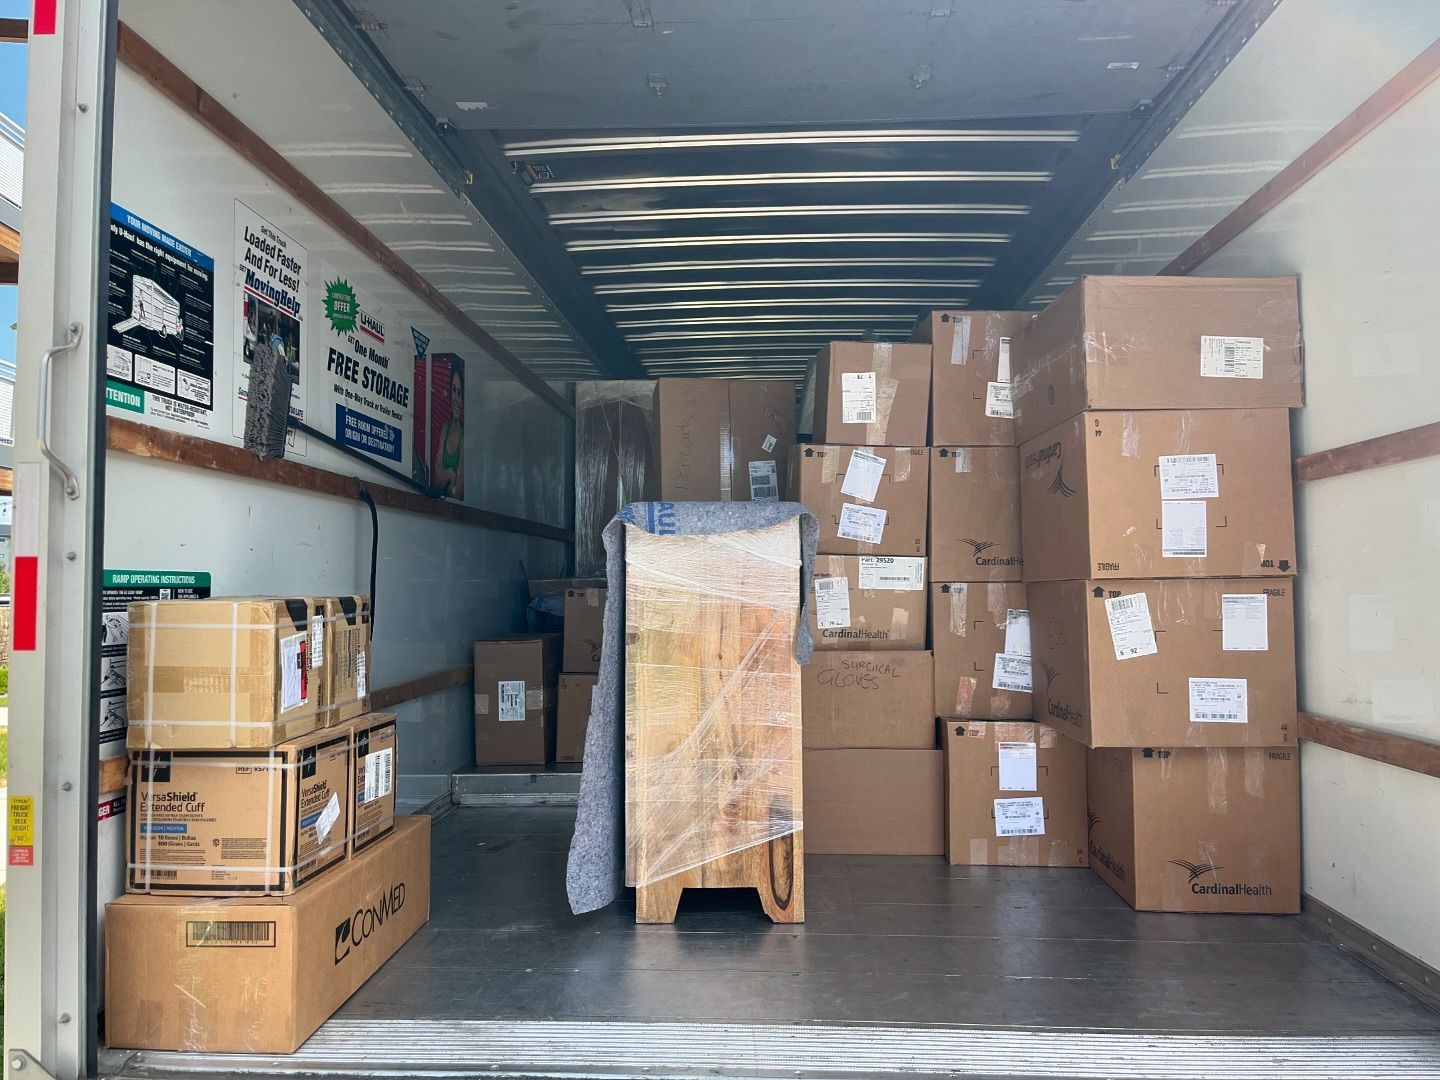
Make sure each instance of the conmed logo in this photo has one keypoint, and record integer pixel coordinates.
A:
(357, 928)
(1058, 485)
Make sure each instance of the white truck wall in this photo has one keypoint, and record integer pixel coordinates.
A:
(1361, 237)
(440, 585)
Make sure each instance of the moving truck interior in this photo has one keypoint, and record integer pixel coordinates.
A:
(549, 199)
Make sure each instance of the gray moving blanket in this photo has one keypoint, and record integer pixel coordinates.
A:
(596, 872)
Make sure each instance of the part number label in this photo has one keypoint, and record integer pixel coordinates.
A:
(1219, 701)
(1232, 357)
(832, 603)
(899, 573)
(1189, 476)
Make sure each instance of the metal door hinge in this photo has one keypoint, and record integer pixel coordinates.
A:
(21, 1061)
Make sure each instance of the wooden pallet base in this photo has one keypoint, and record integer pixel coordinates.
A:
(773, 869)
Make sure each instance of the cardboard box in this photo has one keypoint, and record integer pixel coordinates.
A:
(347, 659)
(872, 393)
(868, 602)
(584, 629)
(1201, 493)
(260, 975)
(1176, 662)
(868, 700)
(1014, 795)
(981, 637)
(232, 822)
(573, 716)
(875, 802)
(1197, 829)
(893, 521)
(723, 440)
(1159, 343)
(975, 514)
(373, 764)
(970, 375)
(515, 699)
(224, 672)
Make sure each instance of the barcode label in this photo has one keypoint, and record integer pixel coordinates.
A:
(898, 573)
(1232, 357)
(1020, 817)
(317, 641)
(1131, 632)
(160, 875)
(857, 397)
(512, 701)
(764, 487)
(217, 934)
(1219, 701)
(379, 774)
(832, 603)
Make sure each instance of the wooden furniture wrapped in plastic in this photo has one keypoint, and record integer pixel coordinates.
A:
(712, 718)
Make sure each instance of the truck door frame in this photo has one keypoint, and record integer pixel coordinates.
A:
(51, 966)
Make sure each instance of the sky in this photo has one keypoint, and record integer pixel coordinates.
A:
(12, 104)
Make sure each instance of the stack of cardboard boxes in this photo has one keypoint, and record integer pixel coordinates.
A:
(262, 818)
(1159, 546)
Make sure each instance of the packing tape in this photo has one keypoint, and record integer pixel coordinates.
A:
(830, 464)
(482, 704)
(1129, 435)
(886, 387)
(901, 462)
(998, 604)
(960, 339)
(959, 615)
(899, 623)
(1011, 731)
(1252, 562)
(961, 454)
(965, 695)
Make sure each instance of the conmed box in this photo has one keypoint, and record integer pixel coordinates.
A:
(874, 802)
(980, 634)
(373, 762)
(573, 715)
(868, 500)
(868, 700)
(868, 602)
(224, 672)
(1166, 494)
(584, 629)
(872, 393)
(722, 440)
(1014, 795)
(347, 659)
(1198, 829)
(515, 681)
(970, 389)
(1159, 343)
(1171, 662)
(257, 975)
(228, 822)
(975, 514)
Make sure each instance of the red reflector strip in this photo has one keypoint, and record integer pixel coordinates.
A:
(25, 600)
(43, 19)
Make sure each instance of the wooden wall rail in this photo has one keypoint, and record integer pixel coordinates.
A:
(1402, 751)
(137, 53)
(391, 696)
(14, 31)
(1413, 444)
(129, 437)
(1367, 116)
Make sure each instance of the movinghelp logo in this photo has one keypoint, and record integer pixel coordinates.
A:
(1196, 870)
(980, 546)
(1058, 485)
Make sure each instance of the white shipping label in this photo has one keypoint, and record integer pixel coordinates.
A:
(764, 486)
(1131, 631)
(326, 821)
(512, 701)
(832, 602)
(960, 340)
(999, 401)
(360, 687)
(1232, 357)
(1017, 766)
(1183, 534)
(1002, 370)
(1244, 622)
(1017, 632)
(768, 444)
(904, 573)
(1012, 673)
(857, 397)
(317, 641)
(1219, 701)
(294, 684)
(862, 475)
(1020, 817)
(1189, 476)
(864, 523)
(379, 774)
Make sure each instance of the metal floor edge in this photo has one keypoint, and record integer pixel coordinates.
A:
(652, 1051)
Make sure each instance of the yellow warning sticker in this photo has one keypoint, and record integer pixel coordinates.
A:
(22, 820)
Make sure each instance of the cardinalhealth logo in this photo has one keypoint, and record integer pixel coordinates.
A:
(1049, 671)
(1196, 870)
(1058, 485)
(980, 546)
